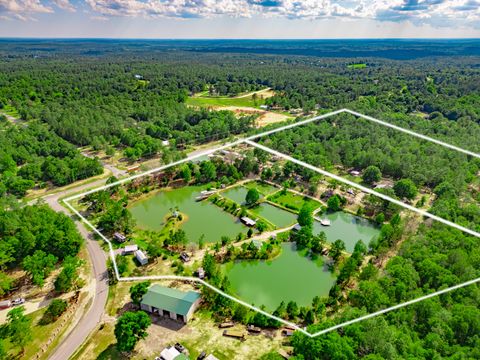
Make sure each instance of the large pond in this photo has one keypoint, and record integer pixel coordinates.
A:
(348, 228)
(203, 217)
(290, 276)
(279, 217)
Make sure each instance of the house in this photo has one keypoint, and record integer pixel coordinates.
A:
(172, 303)
(355, 173)
(119, 237)
(130, 249)
(141, 257)
(247, 221)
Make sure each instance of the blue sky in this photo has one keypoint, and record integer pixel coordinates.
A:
(240, 18)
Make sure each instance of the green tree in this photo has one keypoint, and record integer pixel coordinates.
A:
(5, 283)
(334, 203)
(371, 175)
(405, 188)
(292, 310)
(252, 197)
(39, 265)
(305, 216)
(130, 328)
(186, 173)
(138, 290)
(19, 327)
(54, 310)
(68, 276)
(336, 250)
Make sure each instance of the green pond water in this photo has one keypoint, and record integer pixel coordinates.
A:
(279, 217)
(290, 276)
(348, 228)
(203, 217)
(237, 194)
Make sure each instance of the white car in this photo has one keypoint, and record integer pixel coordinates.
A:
(18, 301)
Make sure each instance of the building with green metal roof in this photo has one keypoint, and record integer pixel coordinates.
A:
(173, 303)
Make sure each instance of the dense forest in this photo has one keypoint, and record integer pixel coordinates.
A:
(33, 155)
(130, 97)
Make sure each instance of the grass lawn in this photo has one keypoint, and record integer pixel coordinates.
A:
(264, 189)
(40, 335)
(224, 101)
(357, 66)
(292, 201)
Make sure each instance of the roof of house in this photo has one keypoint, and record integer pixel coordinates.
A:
(130, 248)
(173, 300)
(211, 357)
(248, 221)
(140, 255)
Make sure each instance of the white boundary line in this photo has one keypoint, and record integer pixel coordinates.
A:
(249, 141)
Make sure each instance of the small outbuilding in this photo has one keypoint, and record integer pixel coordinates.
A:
(247, 221)
(130, 249)
(141, 257)
(201, 273)
(169, 302)
(119, 237)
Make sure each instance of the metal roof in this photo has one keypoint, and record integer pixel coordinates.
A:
(173, 300)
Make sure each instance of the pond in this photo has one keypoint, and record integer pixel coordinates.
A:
(279, 217)
(203, 217)
(290, 276)
(348, 228)
(237, 194)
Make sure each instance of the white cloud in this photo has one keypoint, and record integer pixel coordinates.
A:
(438, 13)
(22, 9)
(65, 5)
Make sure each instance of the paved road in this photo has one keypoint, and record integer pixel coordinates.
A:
(99, 270)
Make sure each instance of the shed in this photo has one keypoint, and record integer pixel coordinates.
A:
(297, 227)
(130, 249)
(119, 237)
(141, 257)
(247, 221)
(169, 353)
(211, 357)
(165, 301)
(201, 273)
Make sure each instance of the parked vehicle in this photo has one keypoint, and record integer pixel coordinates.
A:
(5, 304)
(202, 355)
(18, 301)
(179, 347)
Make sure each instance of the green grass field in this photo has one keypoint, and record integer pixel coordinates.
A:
(357, 66)
(224, 101)
(292, 201)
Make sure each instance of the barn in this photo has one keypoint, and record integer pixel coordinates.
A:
(172, 303)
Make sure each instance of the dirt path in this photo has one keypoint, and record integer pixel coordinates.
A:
(266, 93)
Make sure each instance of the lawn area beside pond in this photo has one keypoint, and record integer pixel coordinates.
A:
(293, 201)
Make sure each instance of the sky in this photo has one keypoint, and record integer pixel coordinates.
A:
(236, 19)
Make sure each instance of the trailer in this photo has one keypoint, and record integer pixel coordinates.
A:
(234, 334)
(5, 304)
